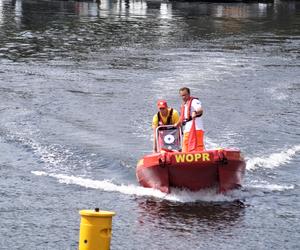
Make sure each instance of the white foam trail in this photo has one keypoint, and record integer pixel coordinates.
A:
(53, 155)
(273, 160)
(271, 187)
(209, 144)
(208, 195)
(261, 189)
(176, 195)
(39, 173)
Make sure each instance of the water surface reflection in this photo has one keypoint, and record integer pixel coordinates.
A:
(33, 30)
(190, 217)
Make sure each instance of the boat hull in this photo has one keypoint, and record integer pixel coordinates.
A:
(224, 169)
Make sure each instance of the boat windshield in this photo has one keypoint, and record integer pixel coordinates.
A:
(168, 137)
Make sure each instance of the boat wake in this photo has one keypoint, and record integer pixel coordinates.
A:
(274, 160)
(58, 158)
(54, 157)
(264, 186)
(176, 195)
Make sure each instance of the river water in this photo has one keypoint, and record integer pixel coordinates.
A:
(78, 87)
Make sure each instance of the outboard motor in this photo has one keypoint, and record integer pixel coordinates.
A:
(168, 137)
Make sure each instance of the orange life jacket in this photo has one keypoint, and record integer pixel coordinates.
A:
(189, 105)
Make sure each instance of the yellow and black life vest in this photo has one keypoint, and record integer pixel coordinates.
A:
(169, 119)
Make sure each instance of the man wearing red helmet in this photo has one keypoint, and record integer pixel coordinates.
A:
(165, 116)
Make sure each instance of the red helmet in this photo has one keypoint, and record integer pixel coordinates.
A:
(162, 104)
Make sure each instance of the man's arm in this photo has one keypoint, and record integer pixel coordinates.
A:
(196, 104)
(154, 126)
(198, 112)
(176, 119)
(154, 140)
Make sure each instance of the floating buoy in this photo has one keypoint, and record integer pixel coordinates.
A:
(95, 229)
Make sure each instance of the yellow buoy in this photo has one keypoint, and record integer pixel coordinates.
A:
(95, 229)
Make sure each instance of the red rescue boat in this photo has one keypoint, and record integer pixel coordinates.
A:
(222, 168)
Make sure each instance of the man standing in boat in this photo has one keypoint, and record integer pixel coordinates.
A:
(191, 109)
(165, 116)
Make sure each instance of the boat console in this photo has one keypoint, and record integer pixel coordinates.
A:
(168, 137)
